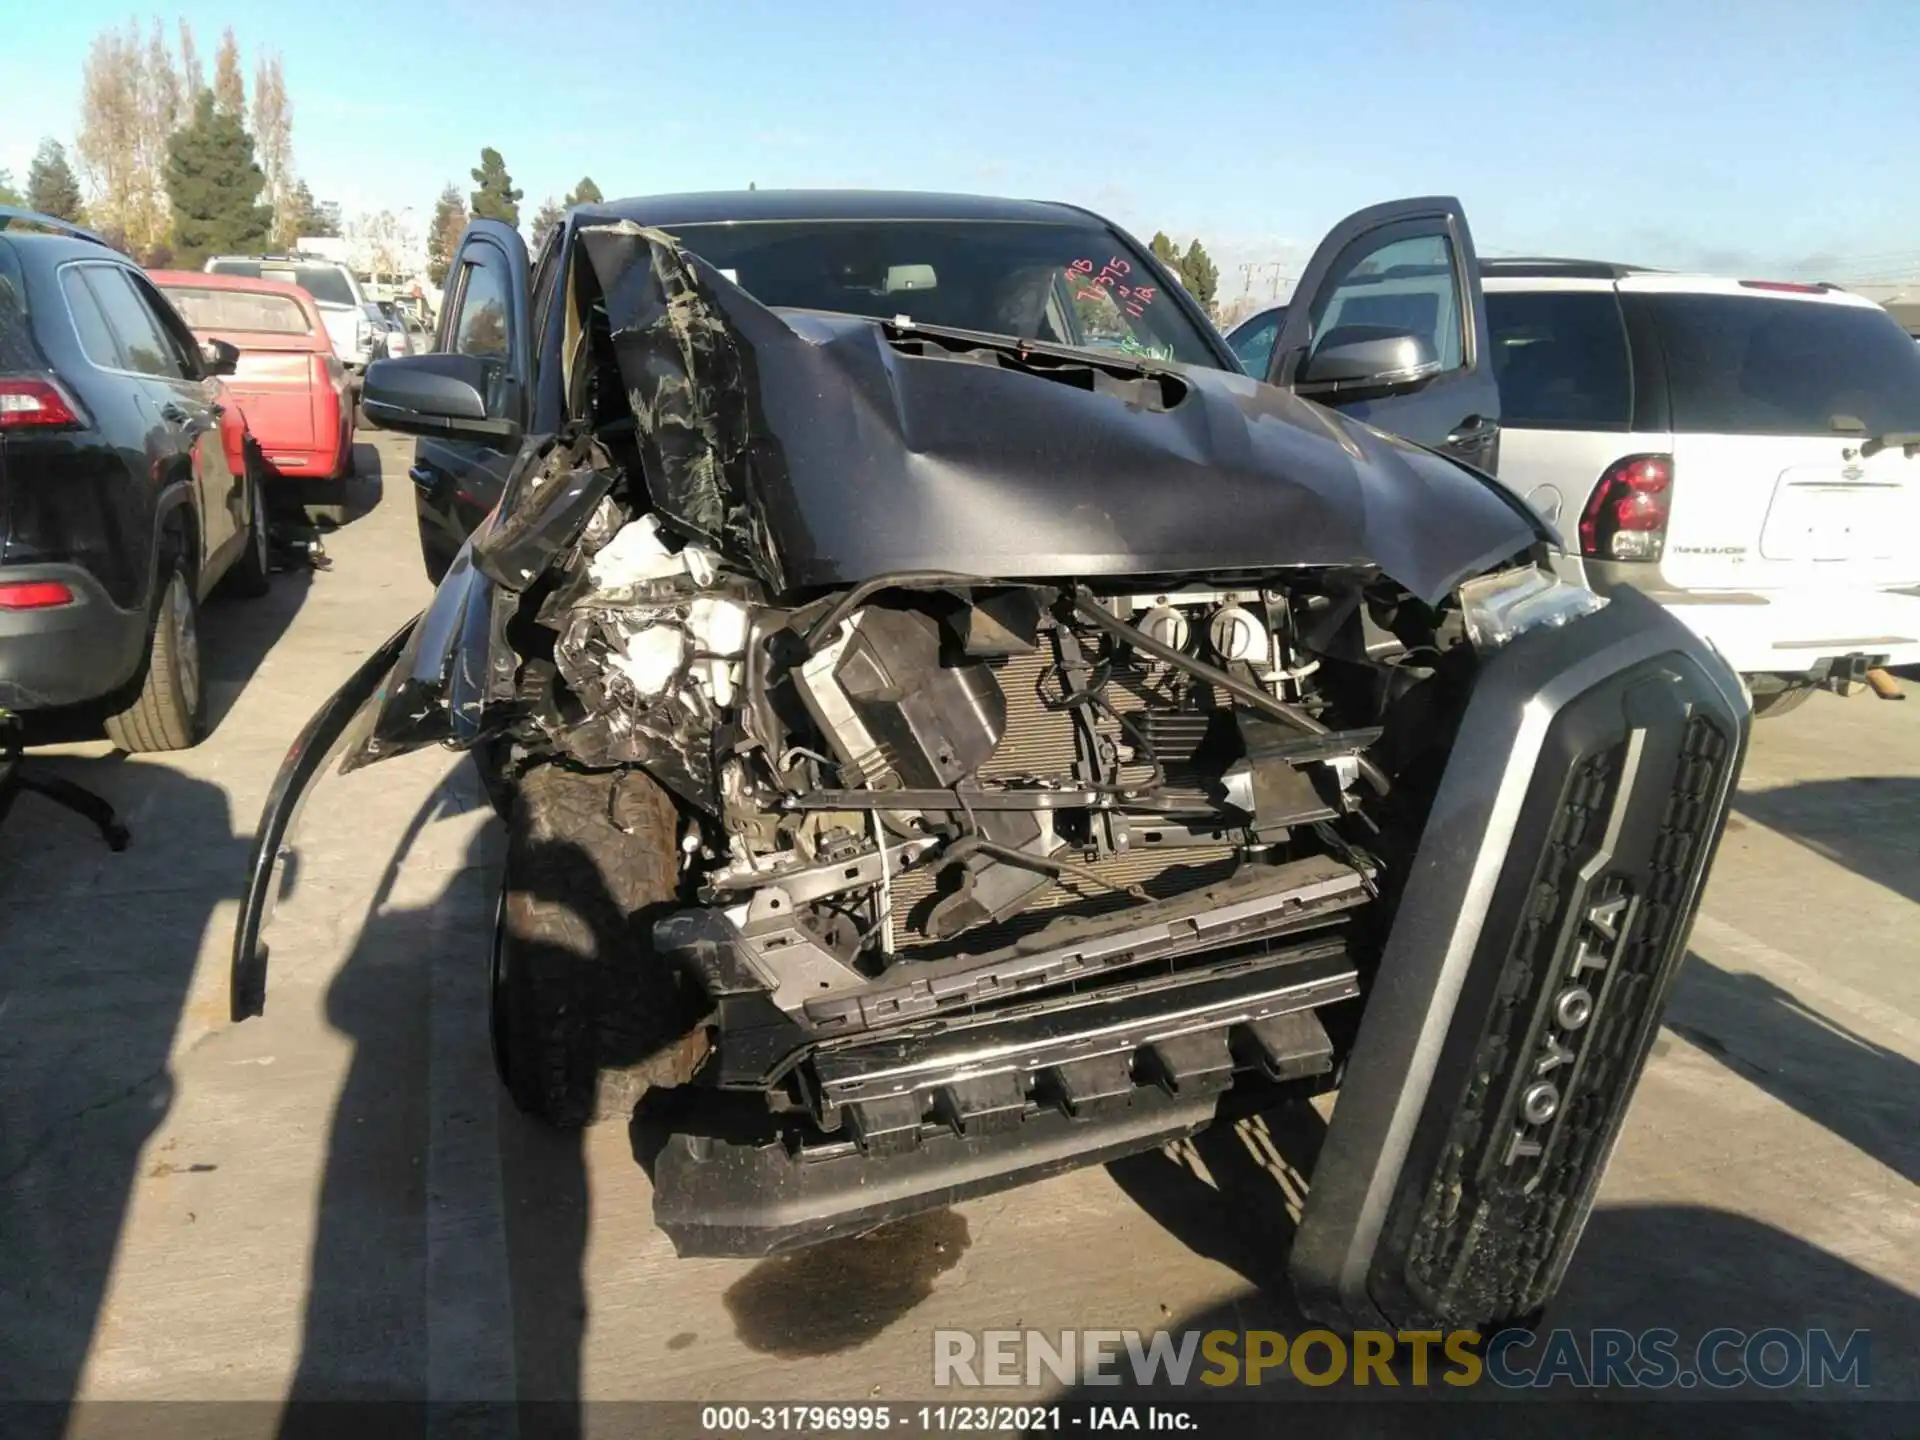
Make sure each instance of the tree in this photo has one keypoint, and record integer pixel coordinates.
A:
(9, 195)
(305, 216)
(193, 78)
(496, 199)
(1165, 251)
(585, 193)
(129, 105)
(273, 139)
(449, 223)
(214, 184)
(229, 84)
(1198, 274)
(52, 188)
(550, 215)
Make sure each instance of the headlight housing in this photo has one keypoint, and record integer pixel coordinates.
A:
(1500, 606)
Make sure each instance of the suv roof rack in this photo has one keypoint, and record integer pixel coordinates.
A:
(1545, 266)
(11, 215)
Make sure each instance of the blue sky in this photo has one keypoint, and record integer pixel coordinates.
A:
(1749, 137)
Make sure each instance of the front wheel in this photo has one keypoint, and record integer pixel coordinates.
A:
(584, 1015)
(170, 711)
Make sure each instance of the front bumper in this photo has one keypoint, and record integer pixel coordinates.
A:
(69, 654)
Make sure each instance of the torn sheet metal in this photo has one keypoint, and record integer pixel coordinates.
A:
(821, 449)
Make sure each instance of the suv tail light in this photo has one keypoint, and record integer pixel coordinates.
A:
(33, 594)
(1626, 516)
(36, 404)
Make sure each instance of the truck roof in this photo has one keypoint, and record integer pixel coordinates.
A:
(747, 206)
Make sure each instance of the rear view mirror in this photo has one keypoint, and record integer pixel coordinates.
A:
(219, 357)
(442, 395)
(1367, 357)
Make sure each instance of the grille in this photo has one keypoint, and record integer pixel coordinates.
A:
(1489, 1234)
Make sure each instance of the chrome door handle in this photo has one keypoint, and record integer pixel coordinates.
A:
(1472, 429)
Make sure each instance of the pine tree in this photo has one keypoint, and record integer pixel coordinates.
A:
(1165, 251)
(214, 185)
(496, 199)
(549, 215)
(1198, 274)
(449, 223)
(585, 193)
(52, 187)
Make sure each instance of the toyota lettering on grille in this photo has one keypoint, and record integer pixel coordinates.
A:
(1573, 997)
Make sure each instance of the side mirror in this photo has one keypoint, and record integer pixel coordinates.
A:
(443, 395)
(218, 357)
(1367, 357)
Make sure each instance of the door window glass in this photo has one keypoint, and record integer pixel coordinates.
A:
(1253, 343)
(1407, 284)
(481, 326)
(96, 340)
(1560, 357)
(145, 345)
(173, 330)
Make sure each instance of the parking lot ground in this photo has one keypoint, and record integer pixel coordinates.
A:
(335, 1201)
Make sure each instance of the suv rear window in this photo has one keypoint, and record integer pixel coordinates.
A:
(1561, 359)
(240, 310)
(1740, 365)
(326, 283)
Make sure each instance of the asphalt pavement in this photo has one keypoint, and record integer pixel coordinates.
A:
(336, 1201)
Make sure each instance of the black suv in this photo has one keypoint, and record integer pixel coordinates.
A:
(953, 725)
(126, 489)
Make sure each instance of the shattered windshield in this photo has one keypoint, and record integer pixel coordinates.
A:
(1061, 282)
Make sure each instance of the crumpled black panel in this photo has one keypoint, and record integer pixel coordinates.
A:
(688, 392)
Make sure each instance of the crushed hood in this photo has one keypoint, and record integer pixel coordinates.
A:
(823, 450)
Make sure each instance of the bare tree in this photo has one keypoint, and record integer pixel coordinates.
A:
(129, 105)
(108, 142)
(193, 78)
(382, 243)
(273, 143)
(229, 84)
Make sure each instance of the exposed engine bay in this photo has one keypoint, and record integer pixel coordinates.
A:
(938, 769)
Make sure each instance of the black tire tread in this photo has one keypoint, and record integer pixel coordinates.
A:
(586, 1002)
(159, 718)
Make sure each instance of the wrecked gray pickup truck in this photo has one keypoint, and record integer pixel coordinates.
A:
(939, 754)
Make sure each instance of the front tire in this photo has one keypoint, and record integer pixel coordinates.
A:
(585, 1016)
(170, 711)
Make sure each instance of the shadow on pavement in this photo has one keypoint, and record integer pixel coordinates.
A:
(1685, 1268)
(1862, 1092)
(460, 1285)
(100, 951)
(1866, 823)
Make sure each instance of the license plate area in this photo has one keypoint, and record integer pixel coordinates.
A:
(1823, 517)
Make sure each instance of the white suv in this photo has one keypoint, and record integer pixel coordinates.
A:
(1743, 451)
(335, 289)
